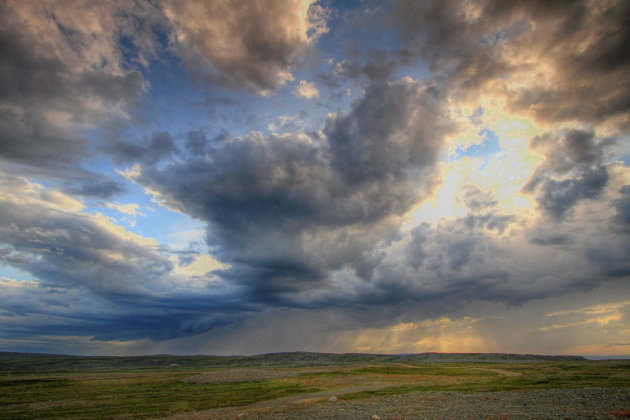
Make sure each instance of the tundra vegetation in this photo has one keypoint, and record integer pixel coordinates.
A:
(47, 386)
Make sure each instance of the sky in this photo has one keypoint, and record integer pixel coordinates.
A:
(249, 176)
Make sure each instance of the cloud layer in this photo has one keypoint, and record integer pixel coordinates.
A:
(286, 210)
(464, 159)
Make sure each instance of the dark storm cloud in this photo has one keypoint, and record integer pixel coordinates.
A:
(612, 257)
(451, 251)
(284, 211)
(495, 44)
(434, 269)
(304, 221)
(196, 143)
(150, 150)
(559, 197)
(459, 253)
(378, 139)
(622, 209)
(36, 310)
(573, 170)
(610, 252)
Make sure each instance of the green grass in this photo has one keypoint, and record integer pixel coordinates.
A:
(133, 397)
(44, 386)
(604, 374)
(39, 363)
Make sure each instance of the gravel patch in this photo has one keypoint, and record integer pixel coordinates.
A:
(589, 403)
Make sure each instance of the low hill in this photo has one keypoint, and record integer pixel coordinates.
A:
(31, 362)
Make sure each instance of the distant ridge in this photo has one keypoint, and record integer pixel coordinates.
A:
(41, 362)
(341, 358)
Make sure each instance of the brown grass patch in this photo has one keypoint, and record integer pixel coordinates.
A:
(238, 375)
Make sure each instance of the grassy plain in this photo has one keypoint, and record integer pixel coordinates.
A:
(48, 386)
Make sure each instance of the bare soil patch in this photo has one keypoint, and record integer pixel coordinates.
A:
(500, 371)
(278, 404)
(238, 375)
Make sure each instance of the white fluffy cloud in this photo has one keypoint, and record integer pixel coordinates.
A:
(306, 90)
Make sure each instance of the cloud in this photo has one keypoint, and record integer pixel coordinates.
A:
(379, 138)
(94, 277)
(62, 73)
(130, 209)
(476, 326)
(63, 245)
(557, 61)
(622, 208)
(312, 221)
(573, 170)
(321, 230)
(475, 199)
(245, 44)
(149, 150)
(453, 262)
(284, 211)
(611, 255)
(498, 257)
(377, 66)
(599, 314)
(92, 185)
(551, 239)
(306, 90)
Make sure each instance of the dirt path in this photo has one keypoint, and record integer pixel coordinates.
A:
(500, 371)
(306, 398)
(588, 403)
(258, 410)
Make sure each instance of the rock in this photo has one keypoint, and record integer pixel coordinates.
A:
(332, 399)
(375, 417)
